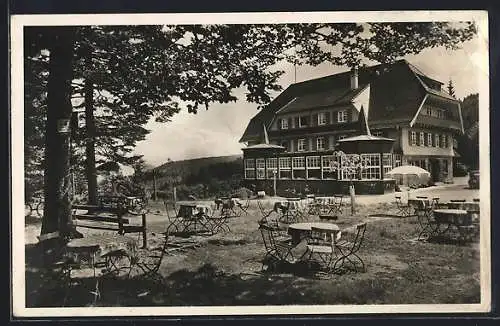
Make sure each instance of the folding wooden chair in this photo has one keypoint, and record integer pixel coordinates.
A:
(243, 206)
(264, 212)
(404, 210)
(335, 207)
(348, 251)
(149, 262)
(278, 250)
(426, 222)
(175, 224)
(321, 246)
(218, 221)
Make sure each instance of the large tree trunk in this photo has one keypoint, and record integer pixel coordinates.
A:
(57, 212)
(90, 167)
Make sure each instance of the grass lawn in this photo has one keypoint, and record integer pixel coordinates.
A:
(226, 270)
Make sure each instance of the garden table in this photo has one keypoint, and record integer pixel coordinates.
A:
(194, 214)
(100, 246)
(300, 231)
(454, 219)
(468, 206)
(112, 253)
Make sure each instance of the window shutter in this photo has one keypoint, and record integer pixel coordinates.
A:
(333, 116)
(292, 149)
(425, 139)
(349, 115)
(327, 143)
(279, 123)
(409, 138)
(289, 123)
(327, 117)
(296, 119)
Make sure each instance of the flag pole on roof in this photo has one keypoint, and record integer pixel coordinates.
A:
(365, 129)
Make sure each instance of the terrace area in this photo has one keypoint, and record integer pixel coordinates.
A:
(226, 267)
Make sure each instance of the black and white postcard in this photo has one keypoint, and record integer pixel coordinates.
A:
(250, 163)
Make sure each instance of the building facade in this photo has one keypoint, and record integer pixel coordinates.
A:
(309, 118)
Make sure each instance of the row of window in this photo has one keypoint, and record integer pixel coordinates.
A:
(322, 119)
(435, 112)
(319, 167)
(429, 139)
(302, 144)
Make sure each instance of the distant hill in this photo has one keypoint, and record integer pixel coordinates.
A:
(192, 166)
(178, 171)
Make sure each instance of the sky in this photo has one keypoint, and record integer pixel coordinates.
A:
(216, 132)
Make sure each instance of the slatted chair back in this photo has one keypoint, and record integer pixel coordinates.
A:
(149, 264)
(264, 212)
(267, 236)
(171, 210)
(403, 209)
(359, 237)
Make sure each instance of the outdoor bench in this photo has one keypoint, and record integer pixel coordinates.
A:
(110, 213)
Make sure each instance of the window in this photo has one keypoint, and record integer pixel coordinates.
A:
(321, 118)
(429, 139)
(371, 169)
(272, 167)
(250, 168)
(298, 168)
(387, 162)
(443, 141)
(320, 143)
(313, 167)
(303, 121)
(342, 116)
(301, 145)
(397, 160)
(440, 114)
(413, 140)
(429, 111)
(378, 133)
(342, 137)
(284, 123)
(329, 163)
(285, 172)
(436, 140)
(347, 170)
(261, 168)
(421, 139)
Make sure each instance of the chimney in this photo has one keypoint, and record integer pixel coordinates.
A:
(354, 78)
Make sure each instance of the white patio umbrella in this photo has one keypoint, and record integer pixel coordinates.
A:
(408, 174)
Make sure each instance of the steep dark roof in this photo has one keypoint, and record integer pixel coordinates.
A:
(321, 99)
(396, 92)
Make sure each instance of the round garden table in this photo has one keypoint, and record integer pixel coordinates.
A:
(455, 219)
(300, 231)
